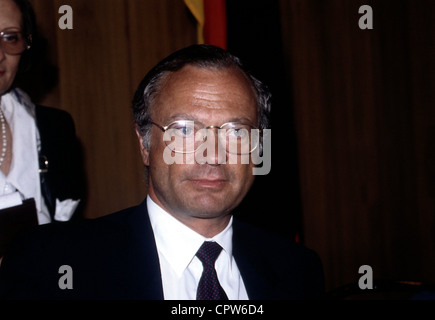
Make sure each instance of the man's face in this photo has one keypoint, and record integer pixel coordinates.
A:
(210, 98)
(10, 19)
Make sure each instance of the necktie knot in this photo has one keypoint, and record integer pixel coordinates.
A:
(208, 253)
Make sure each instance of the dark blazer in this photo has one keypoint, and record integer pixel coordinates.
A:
(65, 176)
(115, 257)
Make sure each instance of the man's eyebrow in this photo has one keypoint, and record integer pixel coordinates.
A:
(241, 120)
(180, 116)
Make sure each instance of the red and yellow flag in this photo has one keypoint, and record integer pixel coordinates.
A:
(212, 21)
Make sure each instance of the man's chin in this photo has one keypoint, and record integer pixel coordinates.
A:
(209, 206)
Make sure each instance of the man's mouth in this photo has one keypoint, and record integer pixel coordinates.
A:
(209, 183)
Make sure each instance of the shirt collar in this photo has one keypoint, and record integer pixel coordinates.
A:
(177, 242)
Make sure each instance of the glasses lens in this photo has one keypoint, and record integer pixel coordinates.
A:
(180, 137)
(12, 42)
(240, 138)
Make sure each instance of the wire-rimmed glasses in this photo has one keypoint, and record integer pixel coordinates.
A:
(186, 136)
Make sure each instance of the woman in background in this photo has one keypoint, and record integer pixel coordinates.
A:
(40, 155)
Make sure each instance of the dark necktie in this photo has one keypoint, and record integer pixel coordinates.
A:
(209, 287)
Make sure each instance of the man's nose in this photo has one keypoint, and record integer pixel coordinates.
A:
(214, 153)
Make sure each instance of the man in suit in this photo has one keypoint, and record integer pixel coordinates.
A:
(198, 113)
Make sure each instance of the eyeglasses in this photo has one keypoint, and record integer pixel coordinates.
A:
(186, 136)
(14, 42)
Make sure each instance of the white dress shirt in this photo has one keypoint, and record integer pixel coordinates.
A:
(181, 270)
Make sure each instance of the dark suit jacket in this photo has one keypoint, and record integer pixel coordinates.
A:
(115, 257)
(65, 178)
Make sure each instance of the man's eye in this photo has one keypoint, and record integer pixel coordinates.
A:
(238, 133)
(184, 131)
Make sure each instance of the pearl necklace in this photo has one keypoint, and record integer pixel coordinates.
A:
(5, 142)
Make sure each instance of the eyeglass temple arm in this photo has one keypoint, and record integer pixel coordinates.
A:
(159, 126)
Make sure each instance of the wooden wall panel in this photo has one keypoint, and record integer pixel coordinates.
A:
(363, 102)
(100, 63)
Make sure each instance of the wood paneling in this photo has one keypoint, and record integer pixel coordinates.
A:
(100, 62)
(364, 110)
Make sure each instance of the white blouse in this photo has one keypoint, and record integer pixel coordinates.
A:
(23, 180)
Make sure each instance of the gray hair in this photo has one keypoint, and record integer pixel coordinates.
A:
(203, 56)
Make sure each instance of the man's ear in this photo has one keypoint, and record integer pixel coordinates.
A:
(143, 151)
